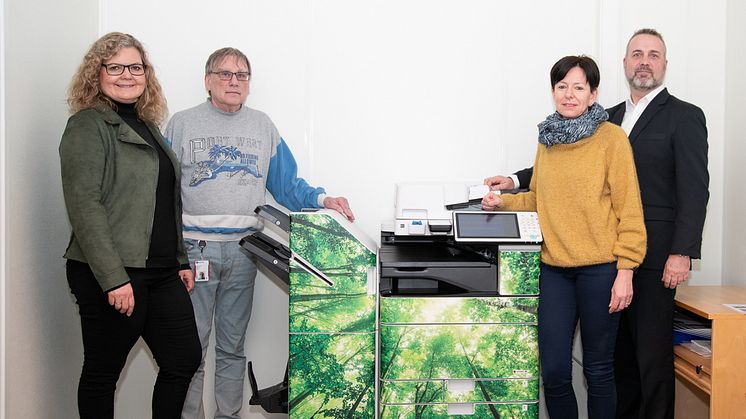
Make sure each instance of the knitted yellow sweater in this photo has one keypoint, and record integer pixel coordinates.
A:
(588, 201)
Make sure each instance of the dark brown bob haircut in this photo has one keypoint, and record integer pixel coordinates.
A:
(565, 64)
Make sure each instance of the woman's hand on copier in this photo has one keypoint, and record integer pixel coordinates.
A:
(491, 201)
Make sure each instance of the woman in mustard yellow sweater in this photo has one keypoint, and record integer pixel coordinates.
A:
(584, 188)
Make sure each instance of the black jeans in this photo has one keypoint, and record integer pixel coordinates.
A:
(644, 370)
(163, 316)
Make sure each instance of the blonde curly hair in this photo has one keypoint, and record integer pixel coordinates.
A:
(85, 88)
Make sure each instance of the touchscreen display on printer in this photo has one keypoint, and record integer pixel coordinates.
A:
(480, 225)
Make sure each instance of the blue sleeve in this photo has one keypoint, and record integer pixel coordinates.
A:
(168, 134)
(283, 182)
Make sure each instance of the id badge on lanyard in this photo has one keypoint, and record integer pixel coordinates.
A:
(202, 265)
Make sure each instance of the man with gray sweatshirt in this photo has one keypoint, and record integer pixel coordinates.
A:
(229, 155)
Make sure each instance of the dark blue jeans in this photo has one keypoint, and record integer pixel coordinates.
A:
(566, 295)
(163, 317)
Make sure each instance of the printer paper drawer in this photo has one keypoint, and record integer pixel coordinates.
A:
(529, 410)
(495, 391)
(458, 310)
(426, 352)
(459, 391)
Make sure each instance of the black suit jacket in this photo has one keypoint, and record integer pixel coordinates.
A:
(669, 142)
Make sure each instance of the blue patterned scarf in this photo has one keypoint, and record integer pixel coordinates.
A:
(557, 129)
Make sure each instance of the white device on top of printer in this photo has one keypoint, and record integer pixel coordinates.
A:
(421, 207)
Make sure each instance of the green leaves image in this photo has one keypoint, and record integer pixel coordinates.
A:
(428, 341)
(437, 310)
(458, 352)
(518, 272)
(481, 411)
(345, 306)
(332, 375)
(332, 340)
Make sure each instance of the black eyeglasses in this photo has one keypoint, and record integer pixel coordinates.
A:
(118, 69)
(227, 75)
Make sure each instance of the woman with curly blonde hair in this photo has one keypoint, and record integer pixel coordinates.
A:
(126, 262)
(85, 92)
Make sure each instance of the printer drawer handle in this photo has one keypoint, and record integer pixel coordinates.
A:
(410, 269)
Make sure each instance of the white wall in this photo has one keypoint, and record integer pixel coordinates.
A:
(734, 245)
(2, 211)
(367, 94)
(42, 350)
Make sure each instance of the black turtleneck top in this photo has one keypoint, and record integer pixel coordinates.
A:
(163, 238)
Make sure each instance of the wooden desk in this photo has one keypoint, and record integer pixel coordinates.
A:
(723, 377)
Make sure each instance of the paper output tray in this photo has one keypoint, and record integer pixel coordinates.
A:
(270, 253)
(274, 216)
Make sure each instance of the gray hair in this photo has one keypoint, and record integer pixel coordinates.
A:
(218, 56)
(648, 31)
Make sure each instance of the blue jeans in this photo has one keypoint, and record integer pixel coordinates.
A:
(566, 295)
(227, 297)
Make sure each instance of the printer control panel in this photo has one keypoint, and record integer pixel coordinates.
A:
(528, 224)
(497, 226)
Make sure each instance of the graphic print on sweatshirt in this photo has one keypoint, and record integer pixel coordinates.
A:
(224, 156)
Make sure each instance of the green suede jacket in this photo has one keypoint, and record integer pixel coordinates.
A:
(109, 177)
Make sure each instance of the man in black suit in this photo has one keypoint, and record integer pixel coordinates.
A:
(669, 141)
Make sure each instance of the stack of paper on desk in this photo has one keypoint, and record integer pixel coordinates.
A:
(686, 328)
(700, 347)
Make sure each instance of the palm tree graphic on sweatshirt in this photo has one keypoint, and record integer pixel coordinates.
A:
(227, 159)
